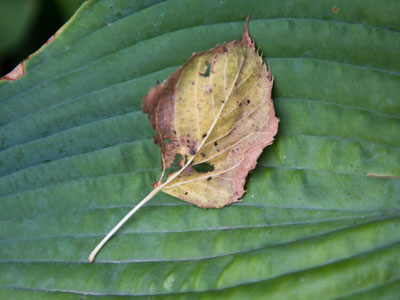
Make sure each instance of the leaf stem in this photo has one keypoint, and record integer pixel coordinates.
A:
(161, 176)
(160, 187)
(96, 250)
(122, 222)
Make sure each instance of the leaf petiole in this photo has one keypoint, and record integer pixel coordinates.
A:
(96, 250)
(122, 222)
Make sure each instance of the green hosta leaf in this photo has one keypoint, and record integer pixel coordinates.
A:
(321, 216)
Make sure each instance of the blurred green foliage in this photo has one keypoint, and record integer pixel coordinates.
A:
(25, 25)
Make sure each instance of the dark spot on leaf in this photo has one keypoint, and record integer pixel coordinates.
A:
(192, 151)
(189, 170)
(186, 193)
(248, 101)
(204, 135)
(207, 72)
(187, 141)
(203, 155)
(209, 178)
(203, 168)
(215, 144)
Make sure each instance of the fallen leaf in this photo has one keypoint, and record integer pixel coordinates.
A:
(215, 110)
(216, 115)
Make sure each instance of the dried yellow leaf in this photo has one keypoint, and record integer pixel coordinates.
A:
(217, 115)
(215, 110)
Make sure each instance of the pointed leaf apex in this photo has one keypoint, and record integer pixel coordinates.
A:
(246, 37)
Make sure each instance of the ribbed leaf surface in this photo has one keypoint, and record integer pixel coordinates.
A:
(321, 218)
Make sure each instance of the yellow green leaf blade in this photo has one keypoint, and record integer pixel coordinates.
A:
(215, 111)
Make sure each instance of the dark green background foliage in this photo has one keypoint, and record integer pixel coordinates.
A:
(27, 24)
(77, 154)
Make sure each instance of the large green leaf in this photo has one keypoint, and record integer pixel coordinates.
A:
(321, 218)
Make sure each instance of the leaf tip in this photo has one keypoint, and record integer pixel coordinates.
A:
(246, 37)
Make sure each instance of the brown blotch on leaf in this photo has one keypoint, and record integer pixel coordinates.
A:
(16, 73)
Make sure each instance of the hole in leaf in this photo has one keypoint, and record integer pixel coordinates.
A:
(203, 168)
(177, 158)
(174, 167)
(207, 72)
